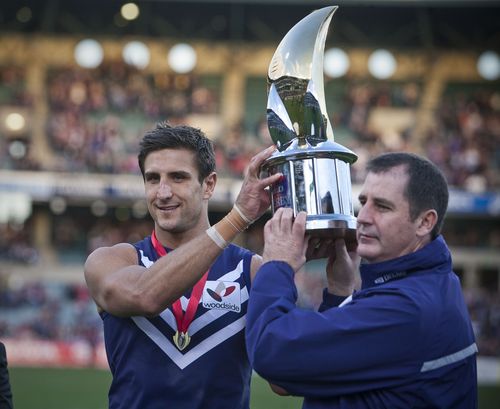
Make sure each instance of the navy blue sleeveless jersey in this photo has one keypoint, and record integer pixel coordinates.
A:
(149, 372)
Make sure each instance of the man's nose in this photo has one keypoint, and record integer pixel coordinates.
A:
(364, 215)
(164, 191)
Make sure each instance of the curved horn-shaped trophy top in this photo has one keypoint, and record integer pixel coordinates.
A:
(296, 105)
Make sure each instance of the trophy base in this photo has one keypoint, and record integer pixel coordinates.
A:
(332, 228)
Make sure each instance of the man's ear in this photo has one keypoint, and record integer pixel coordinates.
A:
(209, 185)
(426, 222)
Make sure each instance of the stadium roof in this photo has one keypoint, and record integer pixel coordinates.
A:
(457, 24)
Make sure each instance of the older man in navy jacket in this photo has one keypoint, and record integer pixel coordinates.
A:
(400, 337)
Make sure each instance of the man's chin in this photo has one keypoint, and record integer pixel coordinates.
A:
(366, 252)
(166, 226)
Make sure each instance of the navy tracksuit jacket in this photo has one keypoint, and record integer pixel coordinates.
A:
(405, 339)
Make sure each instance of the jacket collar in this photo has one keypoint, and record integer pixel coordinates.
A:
(434, 256)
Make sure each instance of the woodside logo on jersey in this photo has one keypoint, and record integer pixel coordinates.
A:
(223, 295)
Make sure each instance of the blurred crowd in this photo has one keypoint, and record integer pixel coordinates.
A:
(466, 141)
(48, 310)
(97, 116)
(95, 119)
(463, 141)
(484, 309)
(16, 244)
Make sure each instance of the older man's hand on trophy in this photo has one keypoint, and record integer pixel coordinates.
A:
(285, 238)
(342, 269)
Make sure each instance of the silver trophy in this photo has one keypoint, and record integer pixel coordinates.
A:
(316, 170)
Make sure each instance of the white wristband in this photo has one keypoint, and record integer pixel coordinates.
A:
(246, 219)
(216, 237)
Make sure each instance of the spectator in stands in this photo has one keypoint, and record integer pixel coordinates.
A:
(5, 391)
(185, 273)
(404, 339)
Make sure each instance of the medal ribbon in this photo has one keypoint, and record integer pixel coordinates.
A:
(183, 320)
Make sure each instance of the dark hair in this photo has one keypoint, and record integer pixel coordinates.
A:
(426, 188)
(166, 136)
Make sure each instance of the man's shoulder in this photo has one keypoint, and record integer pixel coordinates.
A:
(142, 244)
(115, 249)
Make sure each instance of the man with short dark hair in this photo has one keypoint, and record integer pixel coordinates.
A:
(401, 339)
(174, 304)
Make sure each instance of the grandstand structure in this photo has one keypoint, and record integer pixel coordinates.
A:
(69, 181)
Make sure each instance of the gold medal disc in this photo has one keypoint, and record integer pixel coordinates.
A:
(181, 340)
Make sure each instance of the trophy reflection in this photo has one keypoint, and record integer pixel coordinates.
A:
(316, 170)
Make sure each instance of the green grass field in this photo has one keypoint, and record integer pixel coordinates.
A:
(43, 388)
(47, 388)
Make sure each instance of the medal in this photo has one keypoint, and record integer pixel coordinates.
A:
(181, 337)
(181, 340)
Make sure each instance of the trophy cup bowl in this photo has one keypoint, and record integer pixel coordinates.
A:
(316, 170)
